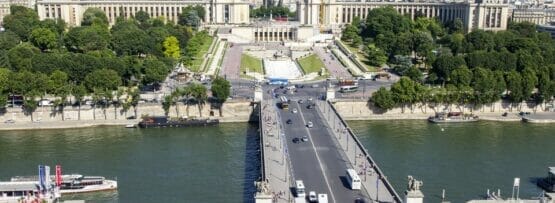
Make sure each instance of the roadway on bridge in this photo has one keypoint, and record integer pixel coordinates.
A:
(319, 162)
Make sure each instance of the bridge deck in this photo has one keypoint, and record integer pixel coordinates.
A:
(322, 161)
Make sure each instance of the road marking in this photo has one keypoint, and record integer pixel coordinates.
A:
(317, 156)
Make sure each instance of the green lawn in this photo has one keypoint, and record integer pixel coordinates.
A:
(251, 63)
(197, 61)
(360, 56)
(311, 64)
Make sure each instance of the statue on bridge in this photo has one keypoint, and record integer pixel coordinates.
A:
(414, 185)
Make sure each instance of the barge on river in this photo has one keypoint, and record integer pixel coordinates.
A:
(452, 117)
(548, 183)
(164, 121)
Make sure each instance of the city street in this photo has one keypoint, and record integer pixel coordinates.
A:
(318, 161)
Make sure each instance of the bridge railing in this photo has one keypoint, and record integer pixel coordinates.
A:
(262, 154)
(336, 116)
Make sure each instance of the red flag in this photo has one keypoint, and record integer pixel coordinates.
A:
(58, 175)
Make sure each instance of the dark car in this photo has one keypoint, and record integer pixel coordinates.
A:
(289, 121)
(505, 114)
(360, 200)
(296, 140)
(309, 106)
(131, 117)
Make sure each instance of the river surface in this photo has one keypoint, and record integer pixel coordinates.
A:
(464, 159)
(212, 164)
(219, 164)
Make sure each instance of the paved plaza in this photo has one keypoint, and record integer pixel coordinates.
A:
(282, 68)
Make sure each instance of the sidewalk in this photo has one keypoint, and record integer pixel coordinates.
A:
(276, 161)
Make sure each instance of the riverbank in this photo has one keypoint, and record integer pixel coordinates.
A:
(47, 118)
(362, 110)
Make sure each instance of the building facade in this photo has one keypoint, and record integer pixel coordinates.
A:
(217, 11)
(5, 6)
(481, 14)
(533, 15)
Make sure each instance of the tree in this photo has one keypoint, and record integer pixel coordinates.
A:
(5, 75)
(155, 71)
(8, 40)
(383, 99)
(20, 56)
(166, 104)
(422, 43)
(102, 80)
(94, 16)
(443, 66)
(171, 47)
(79, 92)
(404, 91)
(129, 39)
(529, 82)
(461, 77)
(414, 74)
(349, 33)
(479, 40)
(221, 89)
(60, 88)
(514, 86)
(376, 56)
(142, 17)
(198, 92)
(21, 21)
(483, 86)
(56, 25)
(87, 38)
(44, 38)
(190, 16)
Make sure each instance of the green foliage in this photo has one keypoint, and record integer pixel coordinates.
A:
(94, 16)
(44, 38)
(8, 40)
(221, 89)
(102, 80)
(171, 47)
(383, 99)
(21, 21)
(311, 64)
(129, 39)
(87, 38)
(375, 56)
(275, 11)
(196, 46)
(191, 16)
(155, 71)
(20, 56)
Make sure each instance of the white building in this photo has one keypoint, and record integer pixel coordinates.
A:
(217, 11)
(5, 6)
(475, 14)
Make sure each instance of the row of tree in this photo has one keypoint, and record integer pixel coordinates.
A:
(517, 64)
(93, 59)
(196, 93)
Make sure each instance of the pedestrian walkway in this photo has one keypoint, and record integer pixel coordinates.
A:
(276, 162)
(232, 62)
(350, 65)
(214, 65)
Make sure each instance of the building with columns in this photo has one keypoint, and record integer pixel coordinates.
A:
(217, 11)
(5, 6)
(534, 15)
(476, 14)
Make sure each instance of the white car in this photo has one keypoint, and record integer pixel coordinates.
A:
(312, 196)
(310, 124)
(294, 110)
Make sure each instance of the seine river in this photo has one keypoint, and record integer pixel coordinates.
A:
(219, 164)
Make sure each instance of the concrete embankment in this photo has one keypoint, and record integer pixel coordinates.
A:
(363, 110)
(48, 118)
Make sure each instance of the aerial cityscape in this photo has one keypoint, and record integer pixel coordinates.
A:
(283, 101)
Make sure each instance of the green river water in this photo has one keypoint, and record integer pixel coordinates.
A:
(219, 164)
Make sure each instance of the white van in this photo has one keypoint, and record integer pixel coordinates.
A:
(292, 87)
(353, 179)
(322, 198)
(300, 188)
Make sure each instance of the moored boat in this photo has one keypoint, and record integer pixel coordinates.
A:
(452, 117)
(28, 191)
(164, 121)
(74, 183)
(548, 183)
